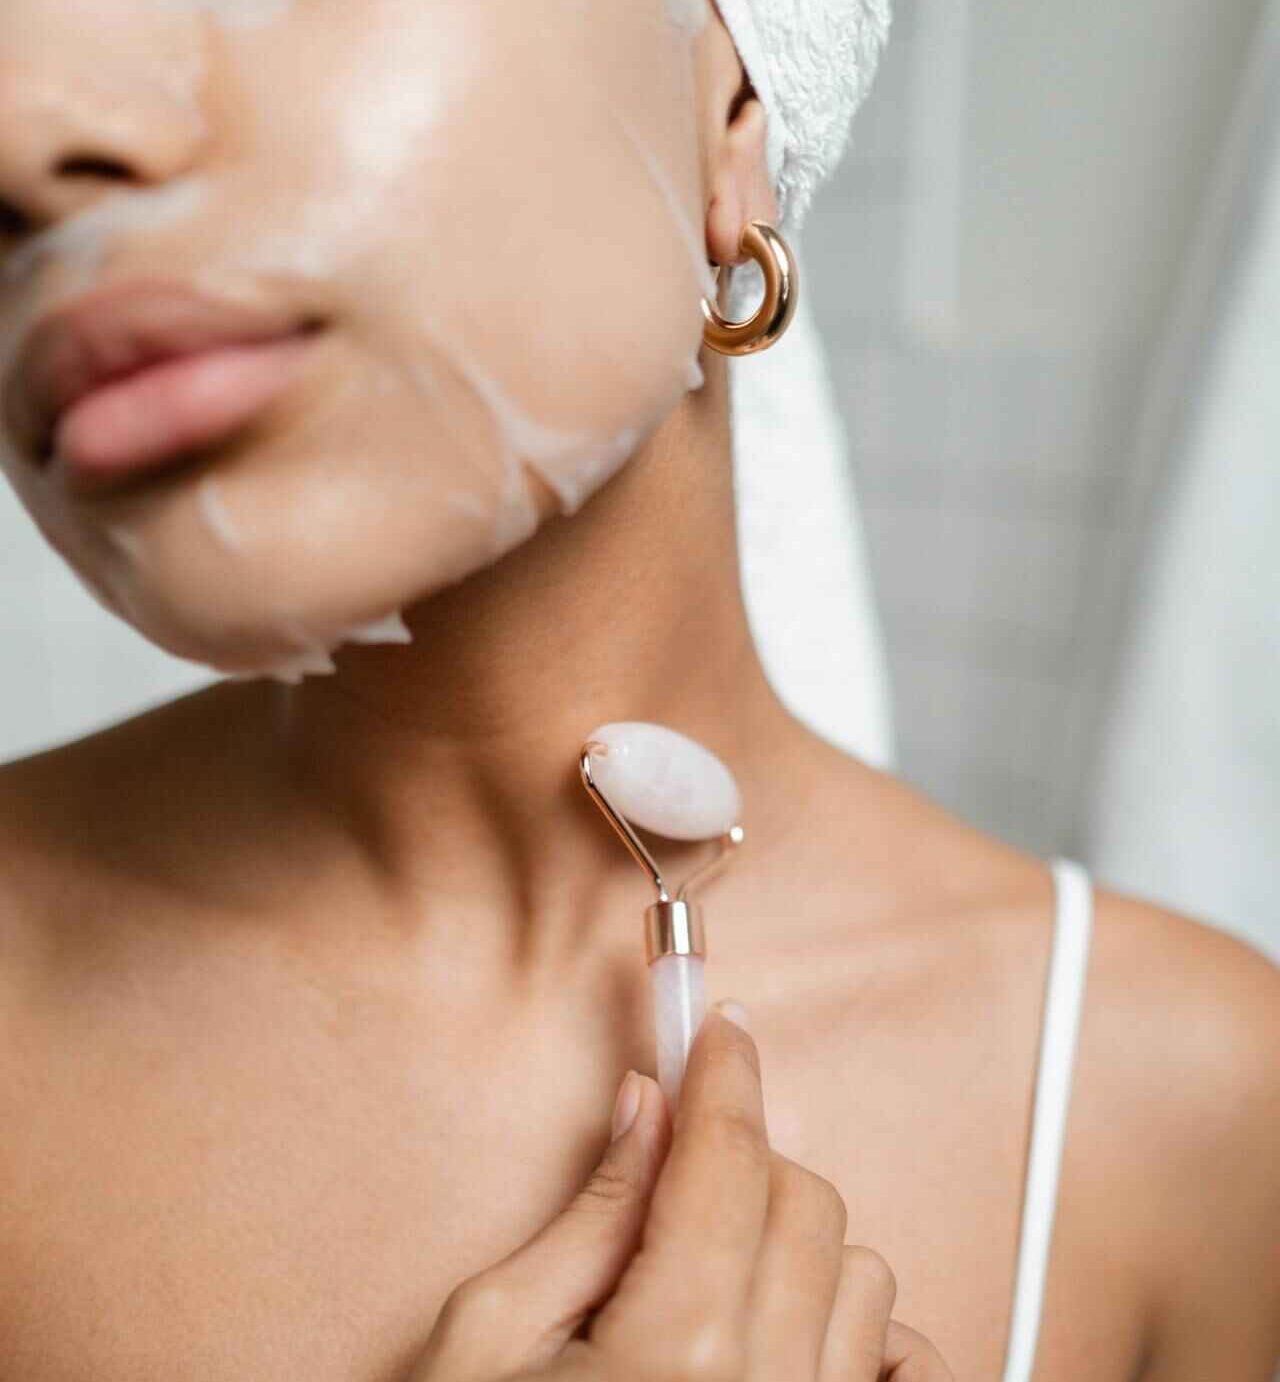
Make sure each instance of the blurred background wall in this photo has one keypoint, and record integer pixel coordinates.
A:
(66, 666)
(1049, 288)
(1027, 271)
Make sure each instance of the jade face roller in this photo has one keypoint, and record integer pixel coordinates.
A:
(651, 777)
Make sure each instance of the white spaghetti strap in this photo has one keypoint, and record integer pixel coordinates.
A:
(1064, 999)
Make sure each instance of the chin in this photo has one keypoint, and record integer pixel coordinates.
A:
(215, 567)
(317, 527)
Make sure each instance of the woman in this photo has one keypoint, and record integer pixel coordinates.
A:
(317, 991)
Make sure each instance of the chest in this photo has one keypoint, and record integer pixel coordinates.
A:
(287, 1193)
(269, 1201)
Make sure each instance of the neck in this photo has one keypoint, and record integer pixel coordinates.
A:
(452, 762)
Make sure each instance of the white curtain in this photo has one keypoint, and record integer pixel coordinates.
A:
(1016, 238)
(1186, 807)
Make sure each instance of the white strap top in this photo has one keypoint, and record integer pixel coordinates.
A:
(1064, 999)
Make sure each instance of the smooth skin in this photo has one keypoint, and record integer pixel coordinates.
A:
(313, 1001)
(700, 1254)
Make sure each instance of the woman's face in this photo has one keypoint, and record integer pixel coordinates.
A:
(449, 245)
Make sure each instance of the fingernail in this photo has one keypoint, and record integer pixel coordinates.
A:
(735, 1012)
(626, 1105)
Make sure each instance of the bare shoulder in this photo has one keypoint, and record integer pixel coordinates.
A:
(92, 825)
(64, 799)
(1178, 1104)
(40, 800)
(1191, 1010)
(1169, 1204)
(1177, 1014)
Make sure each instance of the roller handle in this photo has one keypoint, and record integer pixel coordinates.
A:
(679, 1004)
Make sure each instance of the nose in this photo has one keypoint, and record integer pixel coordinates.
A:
(91, 102)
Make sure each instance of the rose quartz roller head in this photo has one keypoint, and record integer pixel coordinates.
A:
(647, 776)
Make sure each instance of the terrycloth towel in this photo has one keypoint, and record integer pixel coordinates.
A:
(811, 63)
(804, 571)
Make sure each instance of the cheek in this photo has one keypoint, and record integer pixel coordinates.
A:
(511, 180)
(543, 224)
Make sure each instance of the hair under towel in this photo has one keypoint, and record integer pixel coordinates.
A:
(811, 63)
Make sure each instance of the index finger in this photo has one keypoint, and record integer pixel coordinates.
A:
(707, 1216)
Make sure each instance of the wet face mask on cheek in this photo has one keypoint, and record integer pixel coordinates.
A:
(488, 217)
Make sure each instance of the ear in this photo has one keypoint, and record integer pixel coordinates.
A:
(734, 142)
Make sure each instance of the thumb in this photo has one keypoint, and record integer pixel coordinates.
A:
(521, 1312)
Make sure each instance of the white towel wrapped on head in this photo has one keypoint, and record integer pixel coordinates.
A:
(811, 63)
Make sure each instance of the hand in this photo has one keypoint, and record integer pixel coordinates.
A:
(717, 1260)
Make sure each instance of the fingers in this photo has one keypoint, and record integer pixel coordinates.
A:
(706, 1219)
(709, 1206)
(575, 1262)
(519, 1314)
(910, 1357)
(797, 1274)
(855, 1343)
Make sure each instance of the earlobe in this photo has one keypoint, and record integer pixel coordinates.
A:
(740, 190)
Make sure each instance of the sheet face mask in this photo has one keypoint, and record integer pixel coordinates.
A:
(492, 208)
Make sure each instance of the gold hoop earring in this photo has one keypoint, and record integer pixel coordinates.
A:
(781, 286)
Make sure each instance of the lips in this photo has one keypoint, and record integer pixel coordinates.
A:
(129, 378)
